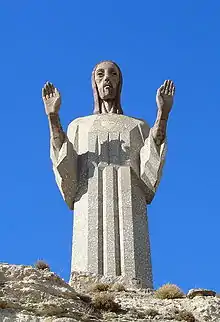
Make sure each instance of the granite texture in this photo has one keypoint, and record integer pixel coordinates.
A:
(108, 167)
(118, 168)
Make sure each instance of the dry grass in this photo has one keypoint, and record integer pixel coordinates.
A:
(85, 298)
(151, 312)
(99, 287)
(117, 287)
(185, 316)
(136, 314)
(3, 304)
(169, 291)
(40, 264)
(105, 302)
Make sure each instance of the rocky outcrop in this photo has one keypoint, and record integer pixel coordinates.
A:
(28, 294)
(200, 292)
(31, 295)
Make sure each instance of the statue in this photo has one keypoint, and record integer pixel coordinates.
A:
(108, 167)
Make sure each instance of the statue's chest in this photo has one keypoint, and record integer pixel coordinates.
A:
(113, 142)
(108, 139)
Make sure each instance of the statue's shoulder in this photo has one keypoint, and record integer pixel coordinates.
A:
(138, 121)
(141, 121)
(82, 120)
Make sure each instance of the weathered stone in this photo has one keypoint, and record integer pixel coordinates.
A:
(110, 226)
(200, 292)
(108, 167)
(31, 295)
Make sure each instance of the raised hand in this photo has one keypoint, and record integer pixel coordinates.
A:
(164, 98)
(51, 98)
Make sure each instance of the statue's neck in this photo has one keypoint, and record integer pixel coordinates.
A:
(108, 107)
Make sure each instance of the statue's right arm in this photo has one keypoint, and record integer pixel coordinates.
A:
(62, 152)
(57, 134)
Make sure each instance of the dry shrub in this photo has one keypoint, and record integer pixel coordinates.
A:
(118, 287)
(105, 302)
(143, 314)
(40, 264)
(135, 314)
(99, 287)
(85, 298)
(3, 304)
(169, 291)
(185, 316)
(151, 312)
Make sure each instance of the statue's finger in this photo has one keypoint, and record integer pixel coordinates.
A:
(173, 90)
(53, 90)
(160, 90)
(166, 87)
(57, 92)
(47, 84)
(47, 87)
(50, 86)
(171, 85)
(43, 92)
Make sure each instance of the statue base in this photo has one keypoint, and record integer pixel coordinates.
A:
(83, 281)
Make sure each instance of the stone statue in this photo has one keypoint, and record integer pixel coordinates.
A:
(108, 167)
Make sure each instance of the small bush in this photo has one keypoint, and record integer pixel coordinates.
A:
(85, 298)
(118, 287)
(105, 302)
(140, 315)
(151, 312)
(169, 291)
(99, 287)
(3, 304)
(40, 264)
(143, 314)
(185, 316)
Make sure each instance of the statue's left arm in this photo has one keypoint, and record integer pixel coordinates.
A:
(152, 154)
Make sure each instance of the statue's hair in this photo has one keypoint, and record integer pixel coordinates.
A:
(98, 100)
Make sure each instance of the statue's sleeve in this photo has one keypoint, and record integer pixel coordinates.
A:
(65, 166)
(152, 158)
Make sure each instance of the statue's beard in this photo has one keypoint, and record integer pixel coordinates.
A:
(107, 93)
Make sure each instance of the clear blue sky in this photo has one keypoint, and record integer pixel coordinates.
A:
(61, 41)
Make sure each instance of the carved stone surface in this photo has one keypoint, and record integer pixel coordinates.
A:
(118, 167)
(108, 167)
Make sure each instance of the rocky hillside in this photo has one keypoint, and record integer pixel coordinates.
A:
(28, 294)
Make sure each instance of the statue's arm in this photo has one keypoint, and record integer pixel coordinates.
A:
(52, 101)
(152, 154)
(152, 158)
(62, 152)
(57, 135)
(164, 99)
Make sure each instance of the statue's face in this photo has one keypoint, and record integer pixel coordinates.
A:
(107, 80)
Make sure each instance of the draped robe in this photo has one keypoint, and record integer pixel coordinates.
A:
(108, 170)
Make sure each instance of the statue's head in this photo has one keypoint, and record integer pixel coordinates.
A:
(107, 84)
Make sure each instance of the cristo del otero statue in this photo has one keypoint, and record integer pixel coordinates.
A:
(108, 167)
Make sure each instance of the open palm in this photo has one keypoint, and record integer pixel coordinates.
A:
(51, 98)
(165, 95)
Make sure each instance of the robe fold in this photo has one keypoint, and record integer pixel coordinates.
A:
(107, 171)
